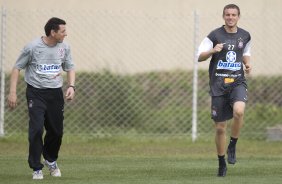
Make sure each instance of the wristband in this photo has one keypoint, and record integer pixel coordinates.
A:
(71, 86)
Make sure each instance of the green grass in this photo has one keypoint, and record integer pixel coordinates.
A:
(145, 161)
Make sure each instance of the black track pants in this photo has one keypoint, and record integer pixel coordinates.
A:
(46, 108)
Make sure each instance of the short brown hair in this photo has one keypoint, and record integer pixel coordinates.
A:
(231, 6)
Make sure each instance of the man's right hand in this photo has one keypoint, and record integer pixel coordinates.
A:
(12, 100)
(218, 47)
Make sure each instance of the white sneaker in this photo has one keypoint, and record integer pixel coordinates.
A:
(37, 175)
(53, 168)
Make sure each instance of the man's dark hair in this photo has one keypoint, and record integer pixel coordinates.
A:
(231, 6)
(53, 24)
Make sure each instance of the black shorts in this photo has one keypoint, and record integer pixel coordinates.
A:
(222, 106)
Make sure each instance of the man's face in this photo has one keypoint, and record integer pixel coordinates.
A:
(231, 17)
(60, 34)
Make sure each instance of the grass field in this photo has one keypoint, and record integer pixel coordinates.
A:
(145, 161)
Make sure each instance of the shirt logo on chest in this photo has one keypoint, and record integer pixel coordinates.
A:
(231, 56)
(230, 63)
(240, 43)
(61, 52)
(48, 68)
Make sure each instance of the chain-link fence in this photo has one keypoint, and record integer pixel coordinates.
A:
(135, 72)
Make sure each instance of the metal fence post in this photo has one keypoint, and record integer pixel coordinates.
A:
(195, 77)
(2, 71)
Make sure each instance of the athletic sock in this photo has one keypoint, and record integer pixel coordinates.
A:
(50, 163)
(232, 142)
(221, 160)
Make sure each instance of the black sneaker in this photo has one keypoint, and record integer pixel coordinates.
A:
(231, 152)
(222, 171)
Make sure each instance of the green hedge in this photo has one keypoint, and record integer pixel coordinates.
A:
(152, 103)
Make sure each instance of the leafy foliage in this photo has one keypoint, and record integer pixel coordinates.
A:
(153, 103)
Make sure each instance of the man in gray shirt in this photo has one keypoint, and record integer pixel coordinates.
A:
(43, 60)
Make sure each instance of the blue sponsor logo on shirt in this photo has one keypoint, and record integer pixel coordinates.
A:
(230, 63)
(228, 66)
(48, 68)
